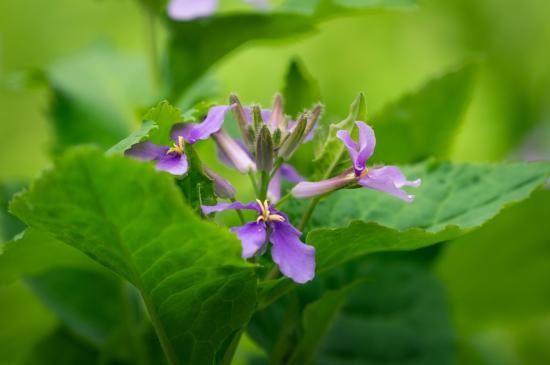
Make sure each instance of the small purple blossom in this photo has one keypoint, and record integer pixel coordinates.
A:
(172, 159)
(295, 259)
(192, 9)
(388, 179)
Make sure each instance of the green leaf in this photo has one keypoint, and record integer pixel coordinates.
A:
(9, 225)
(505, 262)
(128, 217)
(423, 124)
(136, 137)
(332, 8)
(399, 315)
(317, 320)
(164, 116)
(300, 90)
(34, 253)
(97, 106)
(196, 186)
(333, 151)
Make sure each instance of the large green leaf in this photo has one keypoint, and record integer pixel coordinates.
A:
(98, 105)
(196, 186)
(9, 225)
(423, 124)
(133, 220)
(399, 315)
(497, 284)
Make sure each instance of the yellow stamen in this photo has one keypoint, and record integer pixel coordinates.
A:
(364, 173)
(266, 215)
(177, 147)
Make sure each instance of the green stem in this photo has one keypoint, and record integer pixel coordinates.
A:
(308, 213)
(152, 46)
(283, 199)
(239, 212)
(253, 181)
(264, 183)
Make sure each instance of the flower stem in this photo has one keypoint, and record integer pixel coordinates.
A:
(264, 183)
(283, 199)
(309, 211)
(253, 181)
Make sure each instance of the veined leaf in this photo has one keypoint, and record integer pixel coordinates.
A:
(164, 116)
(128, 217)
(136, 137)
(197, 188)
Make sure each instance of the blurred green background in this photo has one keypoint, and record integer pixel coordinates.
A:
(500, 303)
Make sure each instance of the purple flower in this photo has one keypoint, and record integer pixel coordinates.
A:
(295, 259)
(388, 179)
(173, 159)
(286, 172)
(192, 9)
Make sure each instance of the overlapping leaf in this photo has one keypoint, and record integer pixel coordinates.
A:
(133, 220)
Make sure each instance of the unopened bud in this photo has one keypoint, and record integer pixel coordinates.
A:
(313, 118)
(277, 115)
(257, 118)
(240, 116)
(296, 137)
(222, 187)
(234, 152)
(264, 150)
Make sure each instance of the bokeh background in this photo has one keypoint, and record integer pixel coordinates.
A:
(496, 280)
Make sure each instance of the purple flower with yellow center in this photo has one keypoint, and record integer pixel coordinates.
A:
(388, 179)
(294, 258)
(172, 159)
(192, 9)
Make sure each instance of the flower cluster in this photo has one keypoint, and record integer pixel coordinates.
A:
(268, 140)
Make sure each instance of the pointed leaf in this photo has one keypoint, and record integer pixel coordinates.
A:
(301, 90)
(136, 137)
(128, 217)
(164, 116)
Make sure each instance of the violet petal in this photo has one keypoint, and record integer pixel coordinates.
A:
(146, 151)
(234, 152)
(253, 238)
(208, 209)
(367, 143)
(307, 189)
(192, 132)
(290, 173)
(295, 259)
(173, 163)
(191, 9)
(389, 179)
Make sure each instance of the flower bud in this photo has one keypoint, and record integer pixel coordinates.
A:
(293, 141)
(222, 187)
(257, 119)
(240, 116)
(313, 118)
(234, 152)
(277, 117)
(264, 150)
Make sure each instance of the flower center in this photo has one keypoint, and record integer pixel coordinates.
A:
(266, 215)
(364, 172)
(177, 148)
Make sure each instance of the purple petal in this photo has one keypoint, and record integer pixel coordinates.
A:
(172, 163)
(367, 142)
(222, 187)
(253, 237)
(225, 159)
(207, 209)
(309, 189)
(191, 9)
(192, 132)
(274, 188)
(234, 152)
(350, 144)
(290, 173)
(146, 151)
(389, 179)
(295, 259)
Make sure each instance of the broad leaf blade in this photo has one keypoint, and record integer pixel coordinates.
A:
(132, 219)
(423, 124)
(300, 90)
(136, 137)
(196, 186)
(164, 116)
